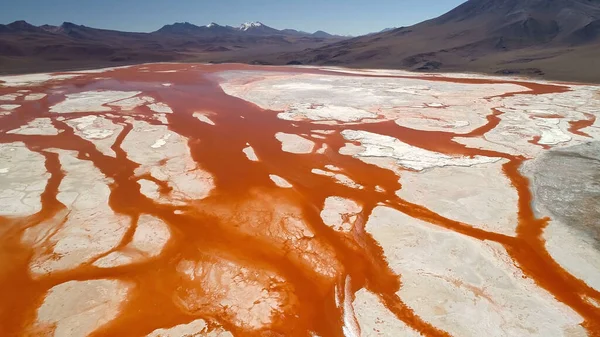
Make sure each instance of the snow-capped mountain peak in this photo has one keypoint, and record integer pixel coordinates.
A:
(248, 25)
(212, 24)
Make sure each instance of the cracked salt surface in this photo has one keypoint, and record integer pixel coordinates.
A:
(78, 308)
(340, 178)
(31, 79)
(161, 141)
(479, 195)
(38, 126)
(166, 156)
(91, 101)
(449, 279)
(575, 251)
(160, 108)
(405, 155)
(431, 105)
(23, 180)
(9, 97)
(240, 291)
(150, 236)
(340, 213)
(325, 113)
(9, 107)
(523, 120)
(73, 236)
(132, 103)
(149, 189)
(483, 278)
(195, 328)
(100, 130)
(35, 97)
(294, 144)
(375, 320)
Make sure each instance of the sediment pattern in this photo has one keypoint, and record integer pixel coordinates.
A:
(257, 201)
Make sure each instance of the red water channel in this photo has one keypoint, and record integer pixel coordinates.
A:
(236, 221)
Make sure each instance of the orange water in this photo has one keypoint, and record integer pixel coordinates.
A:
(235, 221)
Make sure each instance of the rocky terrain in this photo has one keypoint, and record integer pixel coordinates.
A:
(558, 39)
(233, 200)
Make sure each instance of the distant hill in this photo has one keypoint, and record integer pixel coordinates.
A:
(25, 47)
(294, 32)
(387, 29)
(556, 38)
(19, 26)
(190, 29)
(326, 35)
(245, 29)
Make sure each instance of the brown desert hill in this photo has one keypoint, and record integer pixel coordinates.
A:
(555, 38)
(320, 33)
(28, 48)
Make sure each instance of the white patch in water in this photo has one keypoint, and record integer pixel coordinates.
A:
(160, 108)
(203, 118)
(279, 181)
(250, 154)
(9, 106)
(91, 101)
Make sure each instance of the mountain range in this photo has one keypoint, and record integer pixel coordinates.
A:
(558, 39)
(249, 28)
(25, 47)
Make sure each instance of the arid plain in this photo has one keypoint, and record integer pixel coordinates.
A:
(233, 200)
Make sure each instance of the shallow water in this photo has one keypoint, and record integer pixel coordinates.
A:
(242, 221)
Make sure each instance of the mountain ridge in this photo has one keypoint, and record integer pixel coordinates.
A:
(26, 48)
(254, 27)
(556, 38)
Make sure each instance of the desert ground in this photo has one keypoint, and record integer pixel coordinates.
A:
(233, 200)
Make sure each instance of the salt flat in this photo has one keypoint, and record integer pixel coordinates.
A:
(233, 200)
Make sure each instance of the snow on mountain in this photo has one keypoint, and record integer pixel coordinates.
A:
(248, 25)
(253, 28)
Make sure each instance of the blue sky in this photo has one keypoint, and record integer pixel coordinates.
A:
(335, 16)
